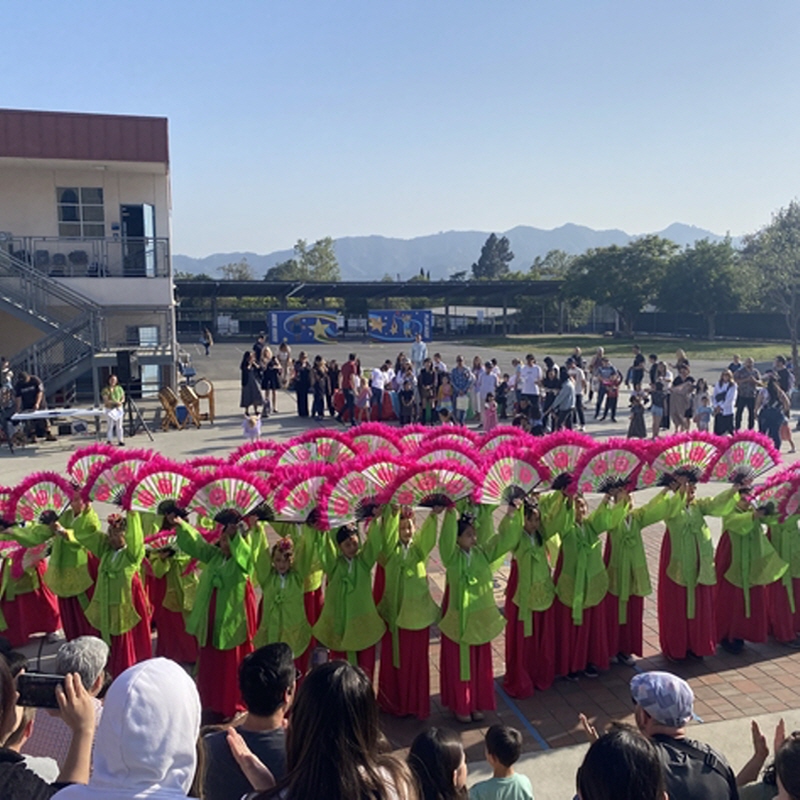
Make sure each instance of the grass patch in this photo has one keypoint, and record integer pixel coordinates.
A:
(665, 347)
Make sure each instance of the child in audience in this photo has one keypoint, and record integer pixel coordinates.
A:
(703, 414)
(251, 427)
(503, 747)
(438, 761)
(407, 404)
(502, 397)
(489, 413)
(444, 397)
(362, 401)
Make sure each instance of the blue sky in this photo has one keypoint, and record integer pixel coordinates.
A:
(304, 119)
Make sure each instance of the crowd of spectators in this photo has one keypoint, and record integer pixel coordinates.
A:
(323, 738)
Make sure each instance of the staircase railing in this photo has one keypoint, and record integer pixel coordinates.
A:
(62, 351)
(39, 295)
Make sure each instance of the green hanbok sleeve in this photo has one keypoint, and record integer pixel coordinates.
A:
(193, 544)
(425, 539)
(721, 505)
(31, 536)
(448, 540)
(505, 540)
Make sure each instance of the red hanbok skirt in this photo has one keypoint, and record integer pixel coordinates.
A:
(73, 618)
(732, 623)
(577, 646)
(783, 625)
(476, 694)
(406, 690)
(627, 638)
(136, 645)
(218, 670)
(530, 660)
(172, 641)
(31, 612)
(677, 633)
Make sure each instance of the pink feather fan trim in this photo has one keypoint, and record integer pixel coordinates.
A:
(229, 487)
(253, 451)
(595, 473)
(108, 479)
(38, 492)
(82, 460)
(155, 491)
(444, 482)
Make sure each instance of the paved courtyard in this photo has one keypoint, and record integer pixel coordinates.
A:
(730, 689)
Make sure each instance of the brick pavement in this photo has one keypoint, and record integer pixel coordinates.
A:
(763, 678)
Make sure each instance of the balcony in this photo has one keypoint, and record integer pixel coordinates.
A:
(119, 257)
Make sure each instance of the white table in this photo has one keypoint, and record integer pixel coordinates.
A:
(61, 413)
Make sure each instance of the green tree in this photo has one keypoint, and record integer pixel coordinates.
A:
(458, 276)
(703, 279)
(495, 257)
(240, 271)
(315, 263)
(624, 278)
(554, 266)
(773, 254)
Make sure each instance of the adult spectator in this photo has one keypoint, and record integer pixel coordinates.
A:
(251, 383)
(531, 377)
(562, 408)
(17, 782)
(378, 381)
(86, 656)
(349, 379)
(29, 392)
(772, 409)
(438, 365)
(6, 374)
(577, 357)
(486, 383)
(271, 382)
(723, 402)
(334, 746)
(550, 388)
(474, 394)
(285, 359)
(591, 370)
(787, 767)
(427, 392)
(319, 386)
(302, 383)
(147, 740)
(785, 377)
(608, 381)
(622, 765)
(461, 380)
(579, 380)
(334, 373)
(258, 347)
(207, 340)
(736, 364)
(419, 352)
(693, 770)
(438, 761)
(680, 399)
(267, 681)
(652, 369)
(747, 380)
(637, 369)
(114, 403)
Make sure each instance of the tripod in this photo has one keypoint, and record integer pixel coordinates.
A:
(135, 418)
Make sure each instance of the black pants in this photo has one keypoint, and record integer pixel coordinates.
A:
(579, 410)
(611, 407)
(601, 394)
(533, 406)
(377, 402)
(723, 423)
(349, 406)
(743, 403)
(302, 402)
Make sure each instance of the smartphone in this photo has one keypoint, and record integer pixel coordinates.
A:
(38, 689)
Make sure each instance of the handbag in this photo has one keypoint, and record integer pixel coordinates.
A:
(462, 403)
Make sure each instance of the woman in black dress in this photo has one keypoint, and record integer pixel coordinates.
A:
(319, 385)
(251, 383)
(426, 382)
(302, 383)
(271, 381)
(333, 385)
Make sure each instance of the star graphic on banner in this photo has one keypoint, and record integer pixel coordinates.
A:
(376, 324)
(320, 330)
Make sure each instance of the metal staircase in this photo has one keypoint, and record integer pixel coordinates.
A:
(73, 324)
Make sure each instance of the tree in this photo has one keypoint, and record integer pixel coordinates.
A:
(458, 276)
(554, 266)
(315, 263)
(240, 271)
(495, 257)
(624, 278)
(773, 253)
(703, 279)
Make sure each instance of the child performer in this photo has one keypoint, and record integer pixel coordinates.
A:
(349, 624)
(746, 564)
(224, 614)
(784, 595)
(71, 570)
(172, 588)
(628, 575)
(530, 629)
(581, 585)
(686, 576)
(472, 619)
(408, 610)
(118, 608)
(283, 615)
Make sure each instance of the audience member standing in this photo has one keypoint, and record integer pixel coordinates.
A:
(251, 383)
(746, 378)
(349, 376)
(723, 397)
(461, 380)
(419, 352)
(302, 383)
(531, 377)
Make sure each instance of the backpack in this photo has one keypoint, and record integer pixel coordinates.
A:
(694, 771)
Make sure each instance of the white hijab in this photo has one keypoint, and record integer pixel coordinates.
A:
(145, 743)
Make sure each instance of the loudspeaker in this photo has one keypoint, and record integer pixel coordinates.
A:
(126, 365)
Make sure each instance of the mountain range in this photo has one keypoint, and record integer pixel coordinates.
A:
(367, 258)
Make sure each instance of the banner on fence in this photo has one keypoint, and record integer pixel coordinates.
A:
(399, 326)
(303, 327)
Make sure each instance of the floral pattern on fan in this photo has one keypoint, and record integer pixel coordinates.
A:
(346, 497)
(298, 495)
(745, 456)
(109, 479)
(42, 491)
(444, 483)
(375, 437)
(229, 488)
(610, 464)
(155, 483)
(560, 452)
(508, 473)
(694, 452)
(82, 460)
(446, 449)
(254, 451)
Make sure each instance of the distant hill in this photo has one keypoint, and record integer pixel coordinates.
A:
(372, 257)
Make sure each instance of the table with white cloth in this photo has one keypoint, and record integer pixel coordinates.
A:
(63, 413)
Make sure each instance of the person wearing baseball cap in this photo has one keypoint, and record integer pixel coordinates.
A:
(664, 704)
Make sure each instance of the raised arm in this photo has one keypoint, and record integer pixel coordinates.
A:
(193, 544)
(448, 544)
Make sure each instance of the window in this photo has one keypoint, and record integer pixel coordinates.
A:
(81, 213)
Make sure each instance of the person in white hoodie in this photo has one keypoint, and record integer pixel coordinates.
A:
(145, 745)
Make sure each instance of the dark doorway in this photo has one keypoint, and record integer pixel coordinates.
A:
(138, 224)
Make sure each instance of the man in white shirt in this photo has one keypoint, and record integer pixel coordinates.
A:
(438, 364)
(530, 377)
(377, 384)
(419, 352)
(579, 378)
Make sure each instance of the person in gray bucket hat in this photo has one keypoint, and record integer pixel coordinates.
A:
(664, 704)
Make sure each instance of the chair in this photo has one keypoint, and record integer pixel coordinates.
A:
(192, 403)
(205, 391)
(169, 402)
